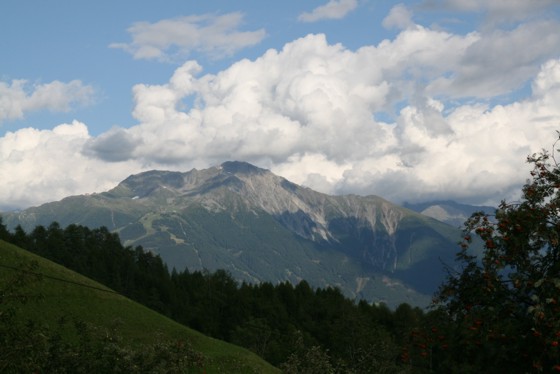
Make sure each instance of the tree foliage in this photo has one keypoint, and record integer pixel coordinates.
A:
(502, 308)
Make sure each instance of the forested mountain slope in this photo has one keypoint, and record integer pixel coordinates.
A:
(261, 227)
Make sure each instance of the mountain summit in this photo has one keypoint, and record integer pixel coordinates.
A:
(262, 227)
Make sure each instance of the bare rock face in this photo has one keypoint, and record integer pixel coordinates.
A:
(262, 227)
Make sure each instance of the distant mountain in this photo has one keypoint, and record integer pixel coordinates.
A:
(261, 227)
(450, 212)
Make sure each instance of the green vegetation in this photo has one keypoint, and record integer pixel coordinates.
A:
(55, 320)
(289, 326)
(500, 311)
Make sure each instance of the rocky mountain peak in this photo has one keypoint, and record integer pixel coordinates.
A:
(238, 185)
(261, 226)
(241, 167)
(144, 184)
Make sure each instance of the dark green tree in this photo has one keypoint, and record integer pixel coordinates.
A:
(19, 237)
(4, 233)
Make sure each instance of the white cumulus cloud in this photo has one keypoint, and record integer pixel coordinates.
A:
(399, 17)
(20, 97)
(176, 38)
(307, 112)
(37, 166)
(495, 12)
(334, 9)
(498, 61)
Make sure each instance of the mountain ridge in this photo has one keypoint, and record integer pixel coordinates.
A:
(448, 211)
(262, 227)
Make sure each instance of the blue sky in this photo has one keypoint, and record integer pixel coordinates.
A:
(412, 100)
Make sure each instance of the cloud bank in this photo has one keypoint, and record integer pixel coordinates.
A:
(409, 119)
(306, 113)
(43, 165)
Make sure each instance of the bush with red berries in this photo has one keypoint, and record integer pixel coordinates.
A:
(500, 306)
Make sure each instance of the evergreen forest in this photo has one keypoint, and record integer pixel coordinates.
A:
(290, 326)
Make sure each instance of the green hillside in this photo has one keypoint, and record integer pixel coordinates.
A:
(60, 293)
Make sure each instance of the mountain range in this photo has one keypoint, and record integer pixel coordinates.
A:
(448, 211)
(263, 228)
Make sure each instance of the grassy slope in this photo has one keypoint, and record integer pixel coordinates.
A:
(136, 323)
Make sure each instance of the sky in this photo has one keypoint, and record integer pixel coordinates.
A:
(412, 101)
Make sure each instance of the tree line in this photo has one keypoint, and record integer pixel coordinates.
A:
(283, 323)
